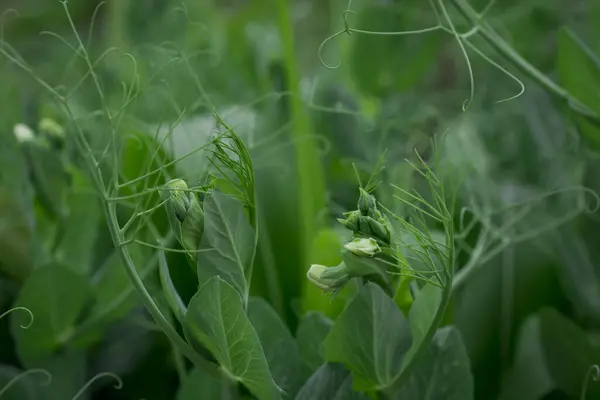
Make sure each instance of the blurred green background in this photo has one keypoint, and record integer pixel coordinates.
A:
(529, 314)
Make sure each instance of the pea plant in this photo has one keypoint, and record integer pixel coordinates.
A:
(139, 238)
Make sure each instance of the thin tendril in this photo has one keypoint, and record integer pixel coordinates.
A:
(594, 373)
(2, 17)
(17, 378)
(118, 385)
(27, 310)
(347, 29)
(466, 104)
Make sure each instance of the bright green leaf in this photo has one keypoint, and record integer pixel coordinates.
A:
(444, 372)
(227, 246)
(279, 346)
(330, 382)
(56, 296)
(217, 321)
(311, 334)
(421, 316)
(370, 337)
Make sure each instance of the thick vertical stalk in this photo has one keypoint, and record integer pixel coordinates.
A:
(310, 174)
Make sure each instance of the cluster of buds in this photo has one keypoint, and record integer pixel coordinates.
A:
(364, 256)
(368, 221)
(185, 215)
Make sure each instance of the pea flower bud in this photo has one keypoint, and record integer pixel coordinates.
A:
(363, 247)
(367, 204)
(329, 279)
(185, 215)
(351, 221)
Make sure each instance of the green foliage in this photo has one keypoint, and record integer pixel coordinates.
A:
(57, 296)
(377, 200)
(443, 373)
(216, 319)
(371, 338)
(227, 247)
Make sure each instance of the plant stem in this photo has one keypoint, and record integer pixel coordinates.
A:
(506, 51)
(310, 176)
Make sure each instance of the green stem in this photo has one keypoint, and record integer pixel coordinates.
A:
(311, 182)
(506, 51)
(161, 321)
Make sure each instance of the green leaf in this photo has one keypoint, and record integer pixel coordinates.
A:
(421, 316)
(579, 73)
(48, 175)
(217, 321)
(114, 292)
(279, 346)
(568, 352)
(330, 382)
(227, 247)
(56, 296)
(76, 247)
(16, 208)
(529, 377)
(370, 337)
(199, 385)
(23, 387)
(443, 373)
(311, 334)
(552, 353)
(69, 374)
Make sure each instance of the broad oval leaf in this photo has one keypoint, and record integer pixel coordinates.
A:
(56, 296)
(443, 373)
(216, 320)
(370, 337)
(228, 244)
(330, 382)
(311, 334)
(280, 347)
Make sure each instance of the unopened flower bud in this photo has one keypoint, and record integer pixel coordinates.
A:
(351, 221)
(177, 197)
(366, 202)
(328, 278)
(363, 247)
(185, 214)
